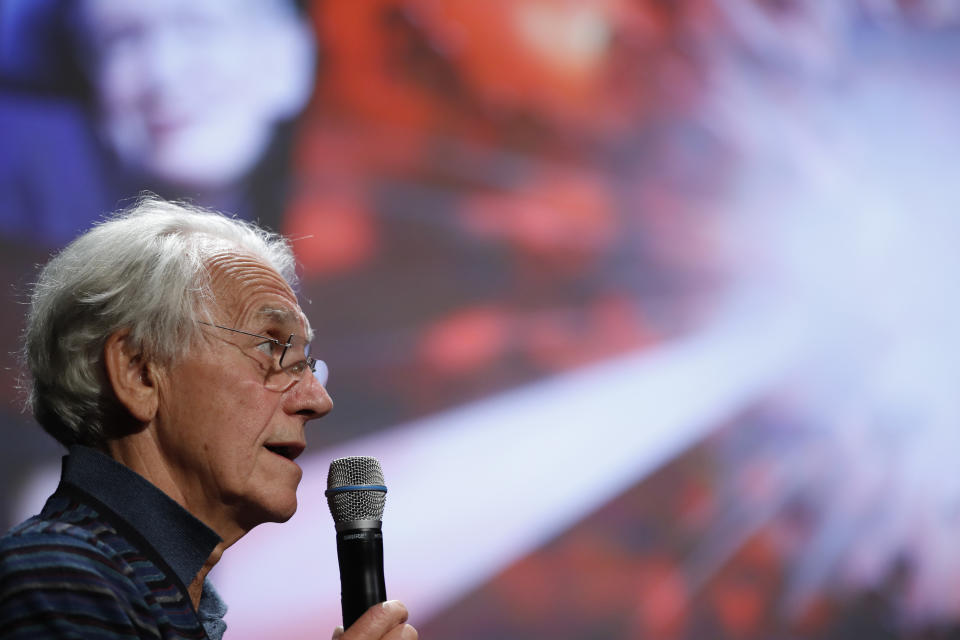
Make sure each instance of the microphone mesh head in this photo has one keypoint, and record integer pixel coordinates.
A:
(360, 504)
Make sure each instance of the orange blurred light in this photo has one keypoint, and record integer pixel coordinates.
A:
(331, 233)
(466, 340)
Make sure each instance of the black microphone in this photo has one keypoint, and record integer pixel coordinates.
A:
(356, 494)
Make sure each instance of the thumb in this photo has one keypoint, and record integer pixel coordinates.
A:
(337, 633)
(378, 621)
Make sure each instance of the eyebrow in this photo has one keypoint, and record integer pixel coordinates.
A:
(285, 317)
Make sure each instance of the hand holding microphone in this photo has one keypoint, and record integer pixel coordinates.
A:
(356, 495)
(384, 621)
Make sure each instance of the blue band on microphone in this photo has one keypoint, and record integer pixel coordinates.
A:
(356, 487)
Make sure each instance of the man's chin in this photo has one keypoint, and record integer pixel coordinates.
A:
(286, 515)
(283, 511)
(280, 509)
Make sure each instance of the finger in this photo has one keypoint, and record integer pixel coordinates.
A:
(337, 633)
(378, 621)
(403, 632)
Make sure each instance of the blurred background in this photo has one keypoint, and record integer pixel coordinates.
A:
(647, 307)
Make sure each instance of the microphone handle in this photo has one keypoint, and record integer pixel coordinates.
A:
(360, 555)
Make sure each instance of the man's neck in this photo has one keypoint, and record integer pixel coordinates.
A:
(195, 588)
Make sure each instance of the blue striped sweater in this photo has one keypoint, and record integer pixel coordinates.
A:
(109, 556)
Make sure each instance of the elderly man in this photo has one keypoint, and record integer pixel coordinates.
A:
(169, 354)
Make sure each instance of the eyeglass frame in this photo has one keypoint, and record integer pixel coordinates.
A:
(310, 361)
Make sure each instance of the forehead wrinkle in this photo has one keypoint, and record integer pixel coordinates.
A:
(286, 317)
(238, 279)
(236, 264)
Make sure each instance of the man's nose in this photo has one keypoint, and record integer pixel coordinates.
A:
(309, 397)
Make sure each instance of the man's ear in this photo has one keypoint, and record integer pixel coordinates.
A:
(133, 380)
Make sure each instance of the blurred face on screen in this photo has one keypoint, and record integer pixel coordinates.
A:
(189, 90)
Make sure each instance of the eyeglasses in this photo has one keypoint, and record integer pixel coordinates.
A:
(284, 372)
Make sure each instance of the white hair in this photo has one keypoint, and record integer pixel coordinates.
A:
(144, 270)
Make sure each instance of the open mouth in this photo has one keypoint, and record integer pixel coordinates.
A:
(288, 451)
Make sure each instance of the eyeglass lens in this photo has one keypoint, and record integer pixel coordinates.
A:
(296, 345)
